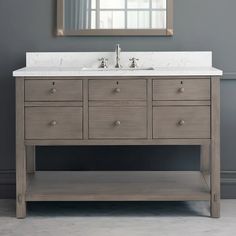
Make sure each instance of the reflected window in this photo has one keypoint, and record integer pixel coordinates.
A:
(115, 14)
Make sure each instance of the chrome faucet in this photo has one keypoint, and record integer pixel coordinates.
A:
(103, 62)
(118, 51)
(134, 63)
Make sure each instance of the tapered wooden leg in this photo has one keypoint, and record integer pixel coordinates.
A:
(215, 181)
(30, 159)
(20, 151)
(20, 182)
(215, 148)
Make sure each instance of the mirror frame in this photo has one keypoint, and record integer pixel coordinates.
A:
(61, 31)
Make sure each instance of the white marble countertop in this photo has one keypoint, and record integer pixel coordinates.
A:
(77, 72)
(71, 64)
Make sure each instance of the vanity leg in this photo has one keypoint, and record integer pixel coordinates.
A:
(20, 151)
(215, 147)
(30, 159)
(20, 182)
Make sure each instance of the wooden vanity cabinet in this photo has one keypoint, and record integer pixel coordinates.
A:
(117, 111)
(53, 123)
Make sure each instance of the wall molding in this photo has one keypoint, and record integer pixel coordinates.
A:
(228, 184)
(228, 177)
(8, 182)
(229, 75)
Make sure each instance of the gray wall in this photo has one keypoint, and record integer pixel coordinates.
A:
(29, 25)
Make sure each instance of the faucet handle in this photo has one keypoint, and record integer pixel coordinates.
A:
(134, 63)
(103, 61)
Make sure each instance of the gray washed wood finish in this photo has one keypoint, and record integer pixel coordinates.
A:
(40, 30)
(53, 90)
(136, 117)
(53, 122)
(195, 122)
(117, 186)
(109, 90)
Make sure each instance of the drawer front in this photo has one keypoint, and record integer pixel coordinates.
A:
(117, 90)
(117, 122)
(181, 122)
(53, 90)
(53, 123)
(185, 89)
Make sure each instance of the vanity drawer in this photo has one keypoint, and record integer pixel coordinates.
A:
(117, 90)
(181, 122)
(53, 123)
(181, 89)
(117, 122)
(53, 90)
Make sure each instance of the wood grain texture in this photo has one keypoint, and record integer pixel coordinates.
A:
(117, 186)
(102, 122)
(117, 90)
(170, 17)
(192, 89)
(181, 103)
(117, 103)
(85, 109)
(53, 104)
(118, 142)
(91, 111)
(53, 90)
(68, 122)
(20, 151)
(196, 122)
(149, 110)
(60, 17)
(215, 147)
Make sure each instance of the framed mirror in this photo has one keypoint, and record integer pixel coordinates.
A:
(114, 17)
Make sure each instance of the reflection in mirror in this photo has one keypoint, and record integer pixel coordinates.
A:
(79, 15)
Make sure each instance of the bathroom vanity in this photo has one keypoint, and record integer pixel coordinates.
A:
(63, 99)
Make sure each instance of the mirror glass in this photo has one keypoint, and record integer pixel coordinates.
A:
(84, 15)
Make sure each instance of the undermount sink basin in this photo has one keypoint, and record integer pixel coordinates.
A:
(117, 69)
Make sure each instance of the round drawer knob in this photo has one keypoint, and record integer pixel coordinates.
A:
(53, 123)
(117, 123)
(117, 90)
(181, 122)
(53, 91)
(181, 90)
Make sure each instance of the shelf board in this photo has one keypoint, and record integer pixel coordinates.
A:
(117, 186)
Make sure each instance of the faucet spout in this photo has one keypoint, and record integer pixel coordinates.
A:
(118, 51)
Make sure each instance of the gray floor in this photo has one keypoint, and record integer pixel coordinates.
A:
(118, 219)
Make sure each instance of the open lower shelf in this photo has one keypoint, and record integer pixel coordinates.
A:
(117, 186)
